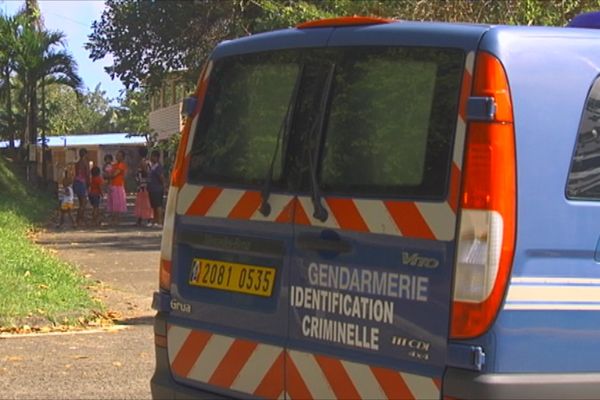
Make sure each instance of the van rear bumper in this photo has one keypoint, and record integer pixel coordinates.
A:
(463, 384)
(163, 386)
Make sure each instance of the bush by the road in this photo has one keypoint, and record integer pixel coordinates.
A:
(35, 287)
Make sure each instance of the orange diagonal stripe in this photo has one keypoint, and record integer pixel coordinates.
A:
(294, 384)
(409, 220)
(271, 386)
(285, 216)
(204, 201)
(347, 214)
(300, 216)
(246, 206)
(189, 352)
(232, 363)
(338, 378)
(392, 384)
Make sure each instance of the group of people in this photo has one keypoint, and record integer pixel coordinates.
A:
(107, 185)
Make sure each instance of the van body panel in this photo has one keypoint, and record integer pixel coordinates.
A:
(554, 293)
(276, 40)
(410, 34)
(360, 306)
(409, 241)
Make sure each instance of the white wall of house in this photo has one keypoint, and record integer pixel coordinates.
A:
(166, 121)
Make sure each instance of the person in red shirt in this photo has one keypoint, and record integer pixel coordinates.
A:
(95, 194)
(117, 187)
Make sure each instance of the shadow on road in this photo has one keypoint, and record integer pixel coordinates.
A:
(104, 240)
(144, 320)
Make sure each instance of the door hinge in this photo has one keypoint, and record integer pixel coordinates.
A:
(481, 109)
(478, 357)
(466, 356)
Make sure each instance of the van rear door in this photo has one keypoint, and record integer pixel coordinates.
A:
(233, 232)
(374, 245)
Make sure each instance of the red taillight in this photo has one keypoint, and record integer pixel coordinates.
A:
(160, 341)
(164, 278)
(488, 208)
(181, 159)
(177, 180)
(343, 21)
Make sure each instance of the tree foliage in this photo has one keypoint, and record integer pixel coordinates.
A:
(31, 58)
(38, 77)
(150, 38)
(41, 62)
(132, 113)
(70, 113)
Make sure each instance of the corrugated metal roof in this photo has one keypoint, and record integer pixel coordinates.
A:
(88, 140)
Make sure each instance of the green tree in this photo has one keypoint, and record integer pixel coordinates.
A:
(148, 39)
(39, 62)
(71, 113)
(9, 30)
(132, 113)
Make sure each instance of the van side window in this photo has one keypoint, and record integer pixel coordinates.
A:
(247, 101)
(391, 122)
(584, 177)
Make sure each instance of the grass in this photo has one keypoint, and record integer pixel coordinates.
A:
(35, 287)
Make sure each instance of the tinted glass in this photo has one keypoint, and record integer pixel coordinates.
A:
(388, 122)
(247, 102)
(584, 177)
(391, 122)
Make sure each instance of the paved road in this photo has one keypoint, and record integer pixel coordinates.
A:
(114, 364)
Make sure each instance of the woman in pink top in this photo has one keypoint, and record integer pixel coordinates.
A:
(117, 187)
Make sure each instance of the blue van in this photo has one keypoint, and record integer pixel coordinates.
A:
(365, 208)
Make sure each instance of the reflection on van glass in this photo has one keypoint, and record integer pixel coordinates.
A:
(388, 125)
(584, 177)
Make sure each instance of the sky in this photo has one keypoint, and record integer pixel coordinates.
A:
(74, 18)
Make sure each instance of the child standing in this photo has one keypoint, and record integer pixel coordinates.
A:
(67, 201)
(95, 195)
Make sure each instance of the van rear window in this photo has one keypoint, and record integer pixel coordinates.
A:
(246, 104)
(392, 121)
(387, 126)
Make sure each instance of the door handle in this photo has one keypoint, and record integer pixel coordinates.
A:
(317, 243)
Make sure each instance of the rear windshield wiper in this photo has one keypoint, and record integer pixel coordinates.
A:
(319, 212)
(265, 207)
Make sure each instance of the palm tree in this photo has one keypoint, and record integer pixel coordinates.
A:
(9, 30)
(39, 62)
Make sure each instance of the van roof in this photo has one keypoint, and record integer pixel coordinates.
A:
(417, 30)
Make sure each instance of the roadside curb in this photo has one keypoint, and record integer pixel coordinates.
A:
(108, 329)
